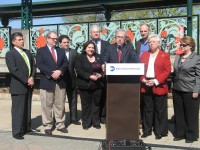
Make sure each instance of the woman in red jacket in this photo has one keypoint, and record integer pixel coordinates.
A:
(154, 88)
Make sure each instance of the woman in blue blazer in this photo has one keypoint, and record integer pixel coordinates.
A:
(186, 91)
(89, 80)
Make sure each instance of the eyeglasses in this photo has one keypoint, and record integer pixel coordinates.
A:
(54, 38)
(184, 45)
(120, 37)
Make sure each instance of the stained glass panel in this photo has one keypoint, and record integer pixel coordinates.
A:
(172, 30)
(37, 36)
(132, 28)
(78, 33)
(107, 30)
(4, 41)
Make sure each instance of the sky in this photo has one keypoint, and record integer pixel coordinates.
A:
(17, 23)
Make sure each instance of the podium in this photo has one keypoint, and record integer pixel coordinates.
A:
(123, 100)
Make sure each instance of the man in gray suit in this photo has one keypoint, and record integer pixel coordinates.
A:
(21, 66)
(70, 78)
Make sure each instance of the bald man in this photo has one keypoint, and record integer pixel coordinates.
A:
(142, 44)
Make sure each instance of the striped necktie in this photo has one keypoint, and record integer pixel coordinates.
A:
(26, 61)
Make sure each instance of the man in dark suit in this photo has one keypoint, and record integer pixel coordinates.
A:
(70, 78)
(102, 50)
(52, 64)
(142, 44)
(121, 52)
(21, 66)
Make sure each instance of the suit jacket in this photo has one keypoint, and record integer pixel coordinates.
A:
(70, 75)
(162, 68)
(84, 70)
(19, 71)
(104, 48)
(138, 46)
(128, 54)
(186, 75)
(46, 65)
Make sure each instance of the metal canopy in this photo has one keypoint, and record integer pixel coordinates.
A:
(66, 7)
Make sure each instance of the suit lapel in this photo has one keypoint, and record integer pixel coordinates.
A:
(20, 58)
(58, 55)
(49, 55)
(70, 55)
(124, 54)
(115, 52)
(102, 47)
(186, 61)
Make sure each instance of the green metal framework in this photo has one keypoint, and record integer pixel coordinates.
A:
(69, 7)
(26, 14)
(189, 17)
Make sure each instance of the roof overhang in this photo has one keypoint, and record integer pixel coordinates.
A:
(68, 7)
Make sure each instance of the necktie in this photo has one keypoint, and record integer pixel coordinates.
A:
(53, 54)
(96, 44)
(119, 52)
(67, 54)
(26, 61)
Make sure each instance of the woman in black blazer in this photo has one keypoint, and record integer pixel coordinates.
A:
(89, 80)
(186, 89)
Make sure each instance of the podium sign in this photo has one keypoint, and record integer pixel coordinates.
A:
(124, 69)
(123, 100)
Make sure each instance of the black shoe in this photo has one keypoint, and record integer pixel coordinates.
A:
(63, 130)
(97, 127)
(103, 121)
(177, 139)
(76, 122)
(18, 137)
(34, 130)
(85, 128)
(144, 135)
(158, 137)
(190, 141)
(48, 132)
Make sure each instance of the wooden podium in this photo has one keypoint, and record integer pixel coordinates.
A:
(123, 100)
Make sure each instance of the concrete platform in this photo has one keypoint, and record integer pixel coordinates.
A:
(76, 139)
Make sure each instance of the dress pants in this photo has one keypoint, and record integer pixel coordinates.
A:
(53, 105)
(21, 113)
(103, 102)
(90, 100)
(155, 113)
(186, 111)
(72, 100)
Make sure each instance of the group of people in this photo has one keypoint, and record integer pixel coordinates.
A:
(154, 88)
(64, 72)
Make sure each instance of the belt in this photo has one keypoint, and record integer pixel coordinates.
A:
(150, 78)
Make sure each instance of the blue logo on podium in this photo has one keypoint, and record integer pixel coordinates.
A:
(112, 68)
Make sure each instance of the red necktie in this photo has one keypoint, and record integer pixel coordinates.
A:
(53, 54)
(119, 54)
